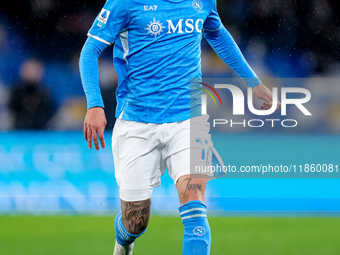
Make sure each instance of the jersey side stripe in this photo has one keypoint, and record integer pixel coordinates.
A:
(124, 36)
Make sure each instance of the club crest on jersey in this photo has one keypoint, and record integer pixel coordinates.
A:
(197, 5)
(155, 27)
(103, 16)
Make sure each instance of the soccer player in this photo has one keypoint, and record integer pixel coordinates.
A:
(156, 54)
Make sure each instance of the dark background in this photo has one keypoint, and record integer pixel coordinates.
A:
(278, 38)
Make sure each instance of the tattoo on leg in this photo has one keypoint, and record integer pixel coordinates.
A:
(135, 215)
(191, 186)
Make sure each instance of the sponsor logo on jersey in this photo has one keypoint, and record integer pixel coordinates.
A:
(197, 5)
(189, 26)
(103, 16)
(199, 231)
(155, 27)
(182, 26)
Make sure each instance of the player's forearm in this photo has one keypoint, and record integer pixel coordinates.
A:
(88, 66)
(226, 48)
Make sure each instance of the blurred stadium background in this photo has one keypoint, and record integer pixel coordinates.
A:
(46, 168)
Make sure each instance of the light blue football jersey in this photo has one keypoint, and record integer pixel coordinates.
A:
(157, 51)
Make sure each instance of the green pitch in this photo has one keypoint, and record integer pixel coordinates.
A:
(91, 235)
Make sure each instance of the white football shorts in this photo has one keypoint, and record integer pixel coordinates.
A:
(142, 152)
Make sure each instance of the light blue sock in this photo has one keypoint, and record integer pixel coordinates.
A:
(196, 238)
(123, 237)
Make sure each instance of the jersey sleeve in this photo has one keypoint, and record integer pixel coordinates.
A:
(89, 73)
(225, 46)
(110, 21)
(213, 21)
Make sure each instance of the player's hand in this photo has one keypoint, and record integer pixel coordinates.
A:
(263, 93)
(95, 122)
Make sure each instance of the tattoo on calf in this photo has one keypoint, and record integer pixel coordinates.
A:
(135, 215)
(191, 186)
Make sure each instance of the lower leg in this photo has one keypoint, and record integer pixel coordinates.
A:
(196, 238)
(130, 224)
(135, 215)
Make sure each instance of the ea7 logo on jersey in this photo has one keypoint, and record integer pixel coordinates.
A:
(103, 16)
(150, 7)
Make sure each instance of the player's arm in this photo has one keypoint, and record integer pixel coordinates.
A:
(95, 120)
(225, 46)
(104, 31)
